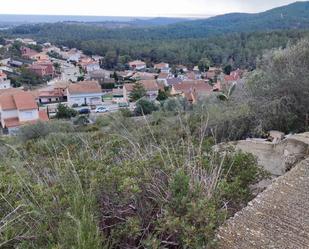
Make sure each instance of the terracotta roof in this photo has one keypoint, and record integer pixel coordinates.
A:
(19, 100)
(129, 87)
(85, 87)
(24, 101)
(173, 81)
(61, 84)
(137, 63)
(11, 122)
(190, 85)
(50, 93)
(10, 91)
(163, 76)
(144, 76)
(7, 102)
(150, 85)
(161, 65)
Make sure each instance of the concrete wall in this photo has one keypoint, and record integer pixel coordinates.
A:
(280, 157)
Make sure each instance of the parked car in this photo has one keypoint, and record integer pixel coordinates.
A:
(123, 104)
(84, 111)
(101, 109)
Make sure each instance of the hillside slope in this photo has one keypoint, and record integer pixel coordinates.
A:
(293, 16)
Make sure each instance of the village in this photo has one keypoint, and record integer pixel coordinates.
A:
(80, 82)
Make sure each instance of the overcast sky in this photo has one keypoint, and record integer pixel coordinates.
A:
(136, 7)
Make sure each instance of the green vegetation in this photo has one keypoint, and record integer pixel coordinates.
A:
(122, 45)
(152, 181)
(27, 78)
(120, 183)
(278, 89)
(144, 107)
(137, 92)
(65, 112)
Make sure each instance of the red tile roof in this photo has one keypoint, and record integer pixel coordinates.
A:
(188, 86)
(85, 87)
(7, 102)
(11, 122)
(17, 100)
(163, 76)
(129, 87)
(150, 85)
(137, 63)
(24, 101)
(161, 65)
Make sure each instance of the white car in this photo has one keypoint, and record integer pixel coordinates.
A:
(101, 109)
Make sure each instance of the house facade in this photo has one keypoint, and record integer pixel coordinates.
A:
(137, 65)
(163, 67)
(18, 108)
(151, 87)
(84, 93)
(163, 77)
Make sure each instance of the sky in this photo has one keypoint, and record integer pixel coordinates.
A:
(193, 8)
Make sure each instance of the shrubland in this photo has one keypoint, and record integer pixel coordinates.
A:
(123, 182)
(147, 181)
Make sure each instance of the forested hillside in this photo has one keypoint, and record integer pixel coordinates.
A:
(235, 39)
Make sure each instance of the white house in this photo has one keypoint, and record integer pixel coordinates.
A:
(5, 83)
(17, 108)
(163, 67)
(84, 93)
(137, 65)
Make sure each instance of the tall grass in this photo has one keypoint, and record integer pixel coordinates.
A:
(133, 183)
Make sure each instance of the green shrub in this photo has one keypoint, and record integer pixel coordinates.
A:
(65, 112)
(144, 107)
(43, 129)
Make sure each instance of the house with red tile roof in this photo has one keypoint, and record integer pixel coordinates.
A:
(151, 87)
(137, 65)
(5, 83)
(163, 77)
(50, 94)
(18, 108)
(234, 76)
(192, 89)
(84, 93)
(27, 52)
(163, 67)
